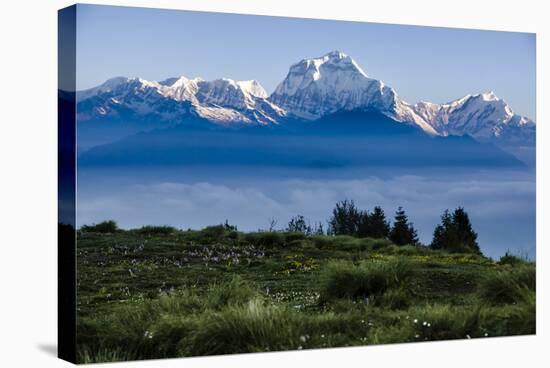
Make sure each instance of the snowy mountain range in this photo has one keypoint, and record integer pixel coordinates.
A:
(313, 88)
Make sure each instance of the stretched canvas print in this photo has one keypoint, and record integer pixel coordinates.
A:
(237, 183)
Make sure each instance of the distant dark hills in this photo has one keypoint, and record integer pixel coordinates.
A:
(355, 138)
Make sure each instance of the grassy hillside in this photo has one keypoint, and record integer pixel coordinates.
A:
(160, 292)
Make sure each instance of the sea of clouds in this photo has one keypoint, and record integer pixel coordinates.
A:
(501, 204)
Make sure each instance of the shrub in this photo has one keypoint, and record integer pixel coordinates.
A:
(104, 227)
(512, 260)
(378, 244)
(321, 241)
(515, 285)
(233, 235)
(349, 243)
(292, 236)
(302, 244)
(211, 234)
(407, 250)
(267, 239)
(342, 242)
(157, 230)
(368, 279)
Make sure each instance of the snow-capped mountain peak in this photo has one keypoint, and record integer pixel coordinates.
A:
(489, 96)
(180, 89)
(324, 85)
(252, 87)
(313, 88)
(107, 86)
(483, 116)
(230, 93)
(220, 101)
(329, 71)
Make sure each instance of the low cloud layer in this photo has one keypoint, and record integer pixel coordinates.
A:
(501, 206)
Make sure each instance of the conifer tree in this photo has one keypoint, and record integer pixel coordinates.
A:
(379, 226)
(345, 219)
(364, 225)
(413, 235)
(444, 232)
(403, 232)
(374, 225)
(455, 233)
(466, 236)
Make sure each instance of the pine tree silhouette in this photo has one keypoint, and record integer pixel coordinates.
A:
(364, 225)
(466, 236)
(379, 226)
(403, 232)
(455, 233)
(374, 225)
(444, 233)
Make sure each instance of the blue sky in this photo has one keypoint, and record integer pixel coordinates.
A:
(421, 63)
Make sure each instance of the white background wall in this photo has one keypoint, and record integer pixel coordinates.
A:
(28, 184)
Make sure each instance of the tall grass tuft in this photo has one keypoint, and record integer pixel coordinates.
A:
(345, 280)
(252, 327)
(235, 292)
(509, 286)
(432, 322)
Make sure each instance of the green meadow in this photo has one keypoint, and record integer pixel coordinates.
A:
(160, 292)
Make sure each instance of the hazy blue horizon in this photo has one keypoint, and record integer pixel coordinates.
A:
(420, 63)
